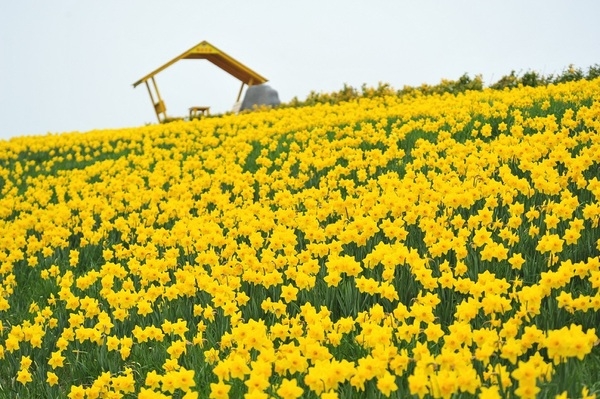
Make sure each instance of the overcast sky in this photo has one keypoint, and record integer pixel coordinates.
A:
(69, 65)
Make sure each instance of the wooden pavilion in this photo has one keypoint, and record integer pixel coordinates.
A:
(206, 51)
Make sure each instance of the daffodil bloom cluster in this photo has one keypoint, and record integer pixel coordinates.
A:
(426, 245)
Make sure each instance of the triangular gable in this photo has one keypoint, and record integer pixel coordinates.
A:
(207, 51)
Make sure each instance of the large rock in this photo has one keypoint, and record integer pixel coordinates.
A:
(259, 95)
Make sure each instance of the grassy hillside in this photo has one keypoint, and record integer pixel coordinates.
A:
(425, 245)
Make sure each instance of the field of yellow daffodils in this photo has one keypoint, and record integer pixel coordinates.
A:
(437, 246)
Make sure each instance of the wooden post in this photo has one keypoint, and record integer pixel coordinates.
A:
(159, 104)
(152, 99)
(240, 92)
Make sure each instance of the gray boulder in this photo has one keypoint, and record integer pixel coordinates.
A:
(259, 95)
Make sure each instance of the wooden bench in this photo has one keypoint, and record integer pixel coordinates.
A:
(196, 112)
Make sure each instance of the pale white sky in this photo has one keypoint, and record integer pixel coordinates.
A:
(69, 65)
